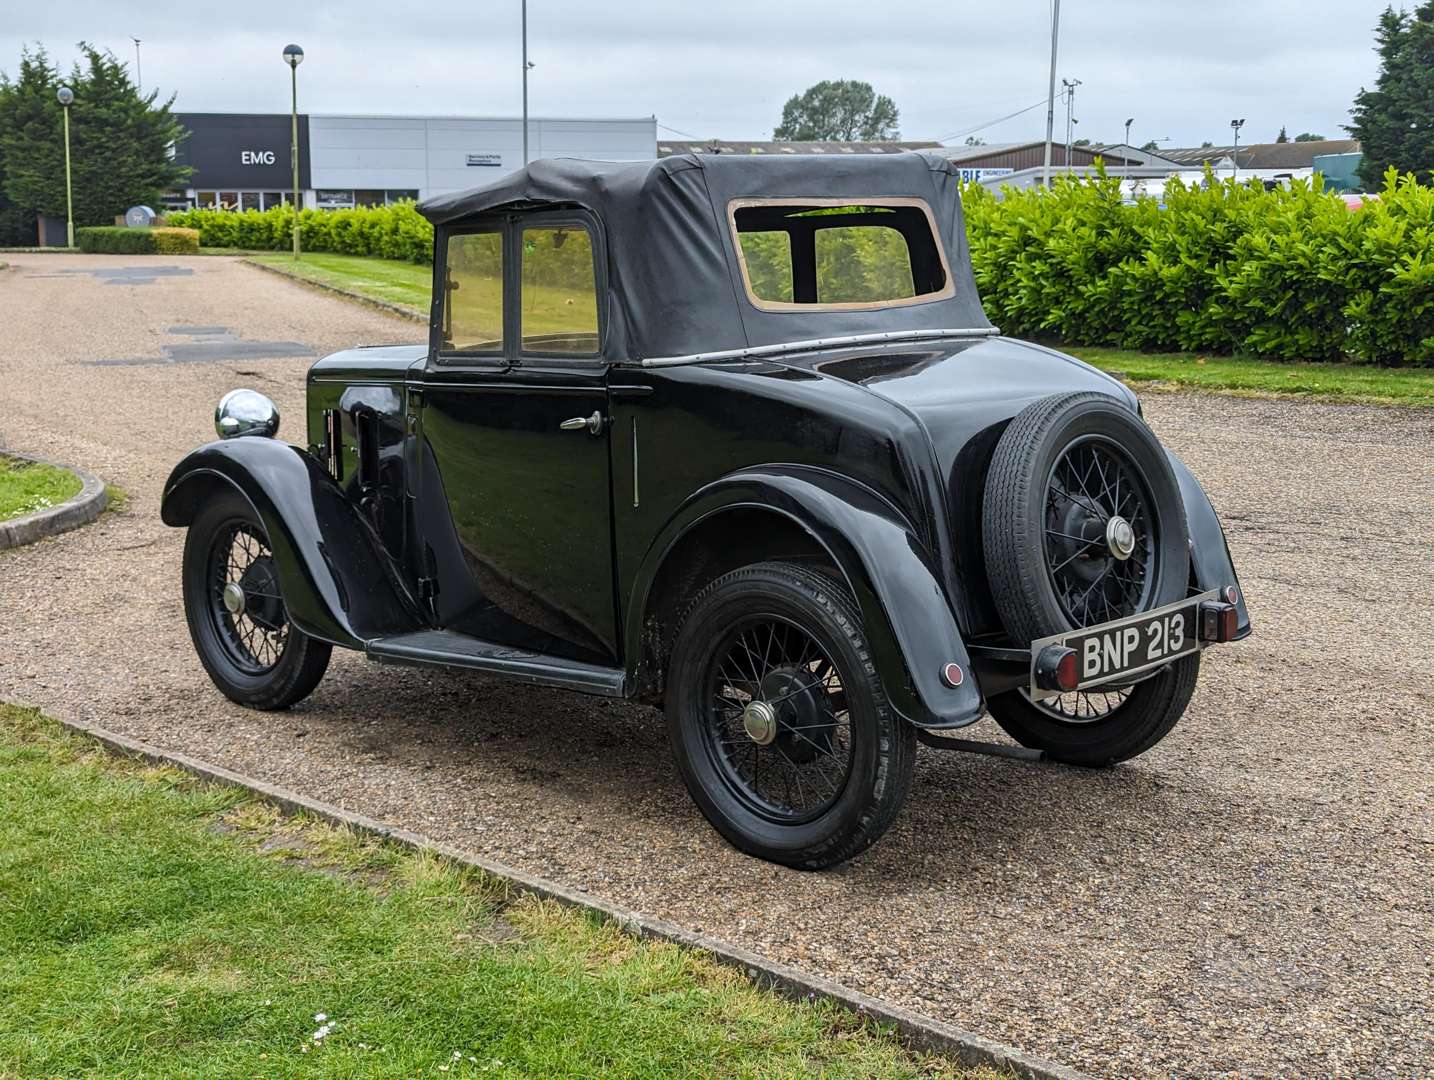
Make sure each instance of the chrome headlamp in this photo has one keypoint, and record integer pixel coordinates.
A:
(246, 412)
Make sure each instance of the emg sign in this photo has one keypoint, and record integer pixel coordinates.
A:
(256, 157)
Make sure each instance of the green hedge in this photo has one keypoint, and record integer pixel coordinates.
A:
(119, 240)
(1289, 274)
(388, 232)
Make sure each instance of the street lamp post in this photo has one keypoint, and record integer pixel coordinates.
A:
(1128, 122)
(1069, 86)
(67, 98)
(138, 76)
(1235, 155)
(527, 66)
(294, 56)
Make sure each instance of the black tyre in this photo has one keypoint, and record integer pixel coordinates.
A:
(779, 724)
(1083, 523)
(236, 616)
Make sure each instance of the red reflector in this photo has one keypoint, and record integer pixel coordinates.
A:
(952, 675)
(1219, 622)
(1066, 675)
(1232, 594)
(1229, 623)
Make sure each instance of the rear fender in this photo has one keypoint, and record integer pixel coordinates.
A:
(907, 617)
(338, 583)
(1210, 561)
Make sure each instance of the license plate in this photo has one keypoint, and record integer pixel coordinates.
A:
(1125, 647)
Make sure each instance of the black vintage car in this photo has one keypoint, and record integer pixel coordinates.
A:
(732, 436)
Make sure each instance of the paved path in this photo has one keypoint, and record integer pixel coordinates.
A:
(1251, 898)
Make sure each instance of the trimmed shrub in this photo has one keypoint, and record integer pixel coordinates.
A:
(1225, 267)
(119, 240)
(387, 232)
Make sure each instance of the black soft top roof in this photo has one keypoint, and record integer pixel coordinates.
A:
(676, 286)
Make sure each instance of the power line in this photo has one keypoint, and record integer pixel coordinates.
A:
(684, 134)
(991, 123)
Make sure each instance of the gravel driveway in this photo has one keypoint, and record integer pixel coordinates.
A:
(1252, 898)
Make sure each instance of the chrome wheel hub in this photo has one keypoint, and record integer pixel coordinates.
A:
(759, 720)
(1120, 538)
(234, 598)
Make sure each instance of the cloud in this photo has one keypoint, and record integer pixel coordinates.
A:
(1182, 70)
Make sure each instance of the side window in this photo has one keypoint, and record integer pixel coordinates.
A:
(559, 315)
(473, 308)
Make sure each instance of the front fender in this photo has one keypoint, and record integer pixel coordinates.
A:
(338, 583)
(907, 617)
(1210, 560)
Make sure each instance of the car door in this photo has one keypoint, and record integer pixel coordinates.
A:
(513, 501)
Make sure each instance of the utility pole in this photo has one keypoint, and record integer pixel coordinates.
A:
(138, 77)
(1069, 86)
(526, 66)
(1051, 94)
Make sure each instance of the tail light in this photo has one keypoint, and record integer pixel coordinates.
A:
(1056, 668)
(1218, 622)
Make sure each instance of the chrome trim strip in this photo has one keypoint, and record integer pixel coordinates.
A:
(782, 348)
(635, 499)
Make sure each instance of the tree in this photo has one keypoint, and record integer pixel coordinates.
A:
(1393, 121)
(1152, 146)
(1308, 136)
(841, 109)
(120, 143)
(975, 140)
(1283, 136)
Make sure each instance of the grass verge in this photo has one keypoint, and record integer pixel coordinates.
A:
(153, 925)
(29, 486)
(405, 284)
(1354, 383)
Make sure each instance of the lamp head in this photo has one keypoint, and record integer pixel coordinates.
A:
(66, 96)
(293, 55)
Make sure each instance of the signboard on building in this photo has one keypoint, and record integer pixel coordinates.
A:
(492, 161)
(975, 176)
(241, 151)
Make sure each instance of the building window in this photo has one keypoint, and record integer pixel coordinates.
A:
(368, 198)
(559, 295)
(473, 287)
(205, 199)
(249, 200)
(406, 195)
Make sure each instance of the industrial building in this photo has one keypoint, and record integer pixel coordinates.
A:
(241, 161)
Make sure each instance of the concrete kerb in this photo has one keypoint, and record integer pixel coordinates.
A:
(920, 1033)
(347, 294)
(70, 514)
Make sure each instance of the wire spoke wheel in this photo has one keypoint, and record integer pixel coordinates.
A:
(778, 728)
(1101, 538)
(244, 605)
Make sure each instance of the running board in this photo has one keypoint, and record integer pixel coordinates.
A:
(443, 648)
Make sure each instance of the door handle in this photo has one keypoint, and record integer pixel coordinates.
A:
(592, 424)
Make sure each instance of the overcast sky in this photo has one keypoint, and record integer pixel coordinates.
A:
(725, 67)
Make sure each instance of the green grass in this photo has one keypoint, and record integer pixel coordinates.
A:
(1358, 383)
(406, 284)
(27, 486)
(153, 925)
